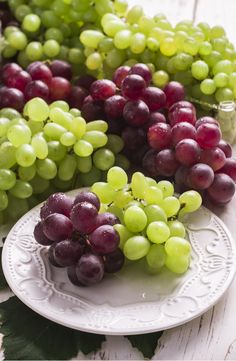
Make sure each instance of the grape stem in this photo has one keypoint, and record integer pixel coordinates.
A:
(200, 102)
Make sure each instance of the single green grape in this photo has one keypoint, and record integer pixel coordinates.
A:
(56, 151)
(153, 195)
(135, 219)
(177, 229)
(200, 70)
(122, 199)
(171, 206)
(37, 109)
(136, 247)
(67, 167)
(21, 189)
(177, 246)
(156, 256)
(31, 23)
(190, 201)
(158, 232)
(166, 187)
(99, 125)
(103, 159)
(46, 168)
(104, 192)
(25, 155)
(117, 177)
(27, 173)
(84, 164)
(7, 179)
(177, 265)
(155, 213)
(138, 185)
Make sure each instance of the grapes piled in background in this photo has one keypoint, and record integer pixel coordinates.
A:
(199, 56)
(148, 212)
(49, 148)
(79, 237)
(161, 131)
(49, 81)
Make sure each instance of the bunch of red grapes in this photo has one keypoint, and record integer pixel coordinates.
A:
(79, 237)
(50, 81)
(161, 132)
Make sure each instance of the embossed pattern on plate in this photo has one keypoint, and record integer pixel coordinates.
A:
(130, 302)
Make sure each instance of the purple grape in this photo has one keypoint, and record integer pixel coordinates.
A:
(40, 236)
(156, 117)
(102, 89)
(205, 120)
(222, 189)
(57, 227)
(174, 92)
(67, 252)
(114, 106)
(104, 239)
(57, 203)
(133, 87)
(40, 71)
(214, 157)
(166, 163)
(159, 136)
(107, 218)
(11, 98)
(182, 131)
(89, 269)
(155, 98)
(133, 138)
(200, 176)
(180, 115)
(149, 163)
(91, 109)
(83, 217)
(136, 113)
(85, 81)
(71, 273)
(51, 255)
(187, 152)
(181, 176)
(229, 168)
(8, 71)
(113, 262)
(61, 68)
(36, 88)
(120, 74)
(89, 197)
(19, 80)
(226, 147)
(77, 96)
(142, 70)
(59, 88)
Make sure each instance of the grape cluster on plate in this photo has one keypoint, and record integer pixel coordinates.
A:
(161, 131)
(79, 238)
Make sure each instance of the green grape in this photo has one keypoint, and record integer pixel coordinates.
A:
(115, 58)
(46, 168)
(50, 19)
(21, 189)
(114, 143)
(17, 40)
(152, 44)
(134, 14)
(7, 155)
(151, 182)
(116, 211)
(99, 125)
(171, 206)
(37, 109)
(157, 33)
(156, 256)
(176, 228)
(54, 131)
(51, 48)
(122, 39)
(158, 232)
(94, 61)
(168, 47)
(221, 80)
(16, 207)
(138, 185)
(135, 203)
(8, 51)
(177, 246)
(208, 86)
(75, 112)
(177, 265)
(103, 159)
(34, 51)
(91, 38)
(213, 58)
(39, 184)
(31, 23)
(180, 37)
(4, 124)
(105, 45)
(190, 201)
(3, 200)
(183, 61)
(76, 56)
(68, 139)
(9, 29)
(135, 219)
(216, 32)
(59, 116)
(224, 94)
(166, 187)
(25, 155)
(138, 43)
(27, 173)
(122, 199)
(120, 6)
(122, 162)
(205, 28)
(40, 146)
(104, 191)
(136, 247)
(232, 80)
(55, 34)
(111, 28)
(160, 78)
(190, 46)
(84, 164)
(91, 177)
(35, 127)
(62, 185)
(200, 70)
(155, 213)
(96, 138)
(61, 104)
(83, 148)
(219, 44)
(10, 113)
(19, 134)
(223, 66)
(124, 234)
(152, 195)
(21, 11)
(78, 127)
(7, 179)
(117, 177)
(67, 168)
(205, 48)
(146, 24)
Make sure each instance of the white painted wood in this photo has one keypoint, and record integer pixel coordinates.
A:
(218, 12)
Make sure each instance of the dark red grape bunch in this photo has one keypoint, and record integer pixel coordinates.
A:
(79, 237)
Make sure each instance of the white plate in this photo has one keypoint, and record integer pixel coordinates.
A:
(130, 302)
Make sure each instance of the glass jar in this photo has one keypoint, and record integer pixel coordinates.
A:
(226, 117)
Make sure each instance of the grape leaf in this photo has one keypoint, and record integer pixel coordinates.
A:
(146, 343)
(28, 336)
(3, 282)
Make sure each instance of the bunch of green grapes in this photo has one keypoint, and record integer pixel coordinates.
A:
(149, 213)
(50, 148)
(199, 56)
(50, 29)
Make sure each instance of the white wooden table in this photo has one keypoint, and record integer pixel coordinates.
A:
(213, 335)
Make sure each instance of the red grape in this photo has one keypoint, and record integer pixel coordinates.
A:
(214, 157)
(142, 70)
(166, 163)
(136, 113)
(181, 104)
(60, 88)
(57, 227)
(57, 203)
(208, 135)
(182, 131)
(187, 152)
(226, 147)
(89, 269)
(113, 262)
(154, 98)
(159, 136)
(61, 68)
(89, 197)
(174, 92)
(114, 106)
(105, 239)
(40, 236)
(107, 218)
(222, 189)
(229, 168)
(19, 80)
(11, 98)
(51, 255)
(83, 217)
(92, 109)
(85, 81)
(204, 120)
(182, 115)
(77, 96)
(67, 252)
(200, 176)
(120, 74)
(149, 163)
(102, 89)
(9, 70)
(41, 72)
(133, 87)
(36, 88)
